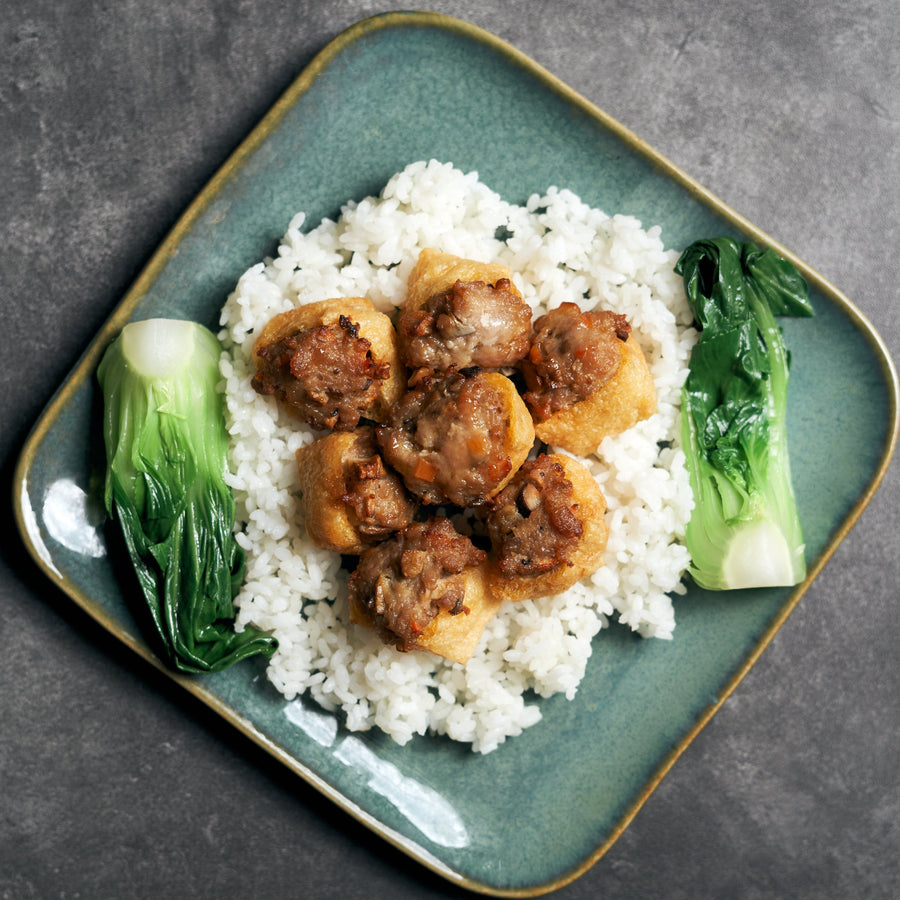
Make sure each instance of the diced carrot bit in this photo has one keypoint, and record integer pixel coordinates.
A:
(425, 470)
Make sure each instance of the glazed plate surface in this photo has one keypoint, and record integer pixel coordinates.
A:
(538, 811)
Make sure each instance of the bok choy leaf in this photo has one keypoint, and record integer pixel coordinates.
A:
(166, 449)
(744, 530)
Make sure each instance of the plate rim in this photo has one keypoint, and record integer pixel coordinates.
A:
(123, 310)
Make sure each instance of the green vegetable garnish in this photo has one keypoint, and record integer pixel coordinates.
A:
(166, 450)
(744, 530)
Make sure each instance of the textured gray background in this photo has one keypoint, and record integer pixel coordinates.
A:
(114, 114)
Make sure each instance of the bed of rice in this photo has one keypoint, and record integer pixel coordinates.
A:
(558, 249)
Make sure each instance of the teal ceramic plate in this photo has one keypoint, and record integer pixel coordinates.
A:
(546, 805)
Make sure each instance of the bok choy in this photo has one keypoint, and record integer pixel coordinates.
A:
(744, 530)
(166, 449)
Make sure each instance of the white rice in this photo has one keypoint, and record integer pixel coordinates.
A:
(558, 249)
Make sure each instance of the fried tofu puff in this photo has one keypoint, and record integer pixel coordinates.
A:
(586, 378)
(547, 529)
(331, 363)
(425, 588)
(627, 398)
(459, 438)
(348, 498)
(460, 313)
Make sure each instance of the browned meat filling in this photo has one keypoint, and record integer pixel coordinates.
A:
(470, 324)
(374, 494)
(532, 523)
(572, 354)
(326, 374)
(407, 580)
(446, 438)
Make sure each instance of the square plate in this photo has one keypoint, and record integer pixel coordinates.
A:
(389, 91)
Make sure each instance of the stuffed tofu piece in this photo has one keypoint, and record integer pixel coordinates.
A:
(586, 378)
(331, 363)
(459, 438)
(460, 313)
(547, 529)
(425, 588)
(349, 498)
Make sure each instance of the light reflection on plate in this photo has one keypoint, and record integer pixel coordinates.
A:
(71, 520)
(424, 807)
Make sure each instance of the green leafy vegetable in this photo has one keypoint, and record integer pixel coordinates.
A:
(166, 449)
(744, 530)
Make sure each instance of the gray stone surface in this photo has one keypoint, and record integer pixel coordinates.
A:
(112, 117)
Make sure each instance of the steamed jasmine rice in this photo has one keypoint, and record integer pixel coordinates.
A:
(557, 249)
